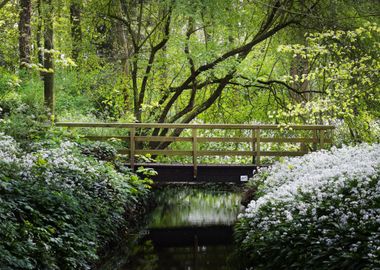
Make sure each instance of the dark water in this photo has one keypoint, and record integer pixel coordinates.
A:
(190, 229)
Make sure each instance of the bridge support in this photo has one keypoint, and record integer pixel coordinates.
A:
(183, 173)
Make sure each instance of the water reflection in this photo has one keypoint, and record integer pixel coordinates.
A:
(188, 258)
(190, 229)
(194, 206)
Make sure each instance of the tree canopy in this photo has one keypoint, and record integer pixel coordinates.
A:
(182, 61)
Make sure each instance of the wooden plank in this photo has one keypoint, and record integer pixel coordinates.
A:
(291, 140)
(253, 139)
(162, 139)
(195, 148)
(282, 153)
(223, 139)
(303, 147)
(257, 150)
(315, 140)
(164, 152)
(200, 165)
(132, 148)
(206, 139)
(124, 151)
(190, 126)
(322, 139)
(213, 153)
(105, 138)
(224, 153)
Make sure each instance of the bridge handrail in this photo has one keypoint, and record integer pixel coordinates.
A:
(318, 139)
(192, 126)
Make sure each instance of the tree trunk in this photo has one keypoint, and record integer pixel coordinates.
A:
(48, 75)
(76, 30)
(39, 34)
(299, 68)
(24, 32)
(124, 49)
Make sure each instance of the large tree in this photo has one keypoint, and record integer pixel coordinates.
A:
(25, 32)
(48, 56)
(76, 29)
(182, 56)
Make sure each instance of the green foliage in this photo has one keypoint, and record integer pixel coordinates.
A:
(23, 116)
(98, 150)
(344, 74)
(9, 35)
(9, 99)
(58, 207)
(87, 91)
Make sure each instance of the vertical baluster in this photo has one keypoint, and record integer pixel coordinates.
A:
(322, 138)
(315, 139)
(303, 145)
(253, 146)
(132, 133)
(257, 146)
(303, 148)
(195, 149)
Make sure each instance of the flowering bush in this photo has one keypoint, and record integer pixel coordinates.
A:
(320, 211)
(59, 207)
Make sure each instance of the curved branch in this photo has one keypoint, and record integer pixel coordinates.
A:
(288, 87)
(152, 56)
(241, 51)
(190, 105)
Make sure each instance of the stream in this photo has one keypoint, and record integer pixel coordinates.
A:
(191, 228)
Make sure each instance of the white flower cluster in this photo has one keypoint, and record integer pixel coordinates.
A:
(8, 149)
(63, 166)
(334, 195)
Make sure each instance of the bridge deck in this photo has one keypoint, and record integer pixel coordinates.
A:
(184, 173)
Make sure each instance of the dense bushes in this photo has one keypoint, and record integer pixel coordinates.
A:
(320, 211)
(58, 206)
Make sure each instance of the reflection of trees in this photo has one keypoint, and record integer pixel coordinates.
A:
(194, 206)
(144, 257)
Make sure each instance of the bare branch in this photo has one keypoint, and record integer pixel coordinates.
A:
(288, 87)
(152, 56)
(242, 52)
(190, 105)
(129, 28)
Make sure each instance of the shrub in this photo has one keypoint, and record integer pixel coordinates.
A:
(320, 211)
(20, 116)
(99, 150)
(59, 207)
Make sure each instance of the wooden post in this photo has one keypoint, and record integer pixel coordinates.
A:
(257, 135)
(132, 133)
(303, 148)
(253, 146)
(321, 138)
(315, 138)
(195, 148)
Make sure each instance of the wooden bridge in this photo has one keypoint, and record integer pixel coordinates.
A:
(259, 142)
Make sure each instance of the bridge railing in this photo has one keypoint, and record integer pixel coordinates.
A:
(317, 136)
